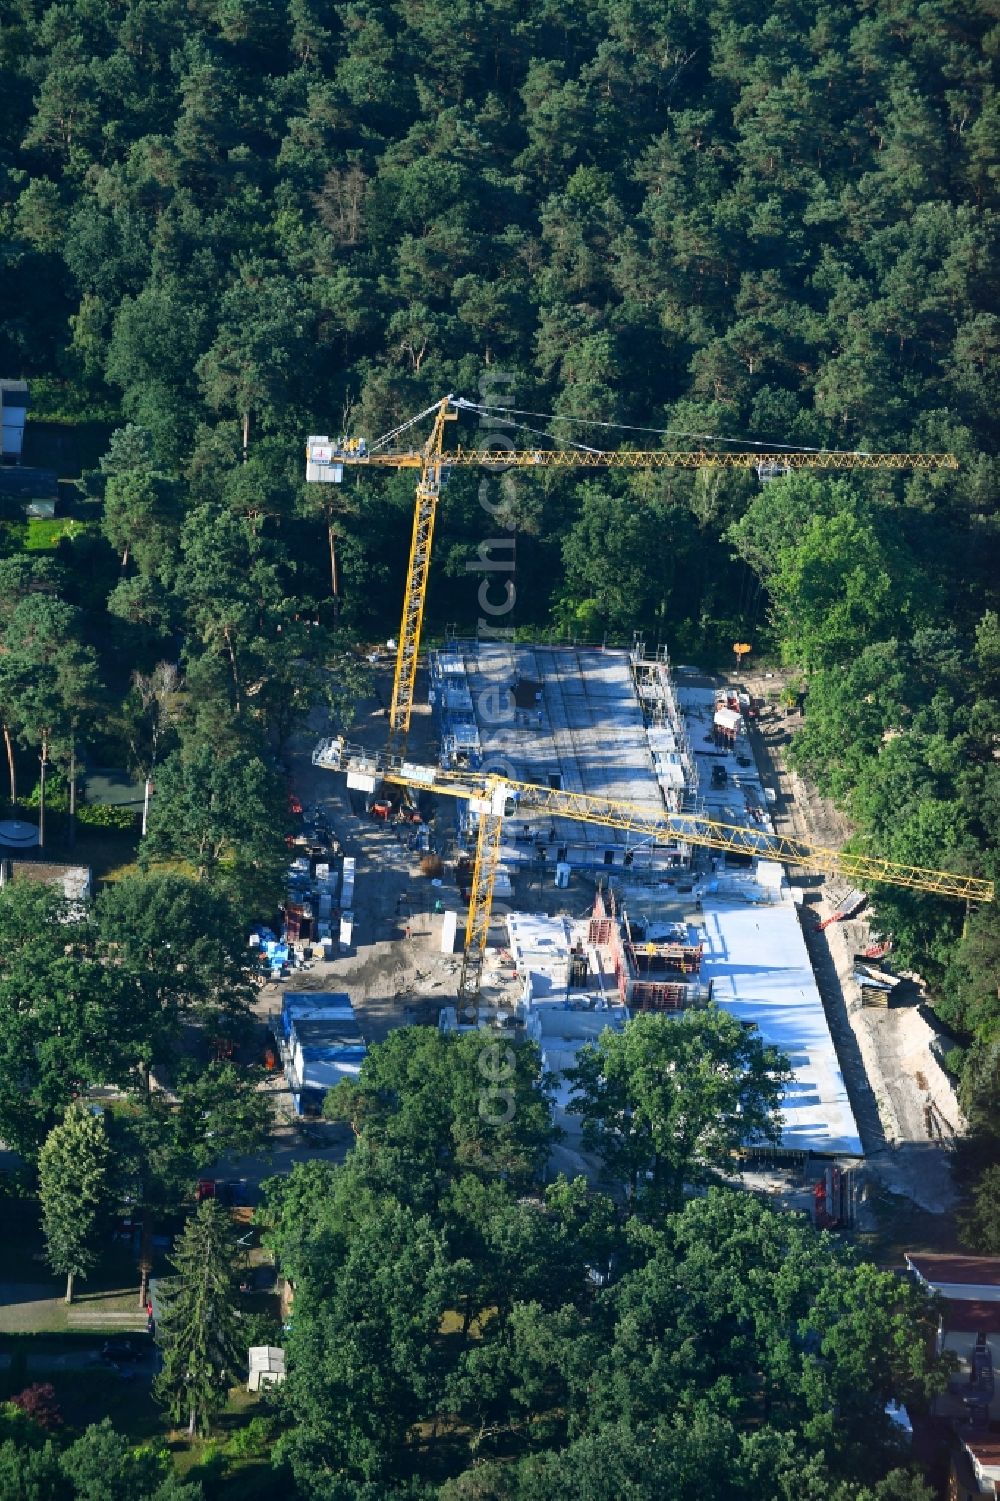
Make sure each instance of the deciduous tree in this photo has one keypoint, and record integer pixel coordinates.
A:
(223, 815)
(72, 1179)
(669, 1098)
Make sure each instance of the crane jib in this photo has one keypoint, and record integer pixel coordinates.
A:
(656, 458)
(526, 799)
(326, 460)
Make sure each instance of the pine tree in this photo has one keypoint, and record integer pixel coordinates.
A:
(72, 1172)
(198, 1329)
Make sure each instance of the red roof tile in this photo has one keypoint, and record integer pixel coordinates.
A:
(971, 1315)
(984, 1270)
(984, 1449)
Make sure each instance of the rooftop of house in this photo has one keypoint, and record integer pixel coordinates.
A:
(984, 1449)
(113, 786)
(74, 879)
(971, 1316)
(267, 1358)
(948, 1270)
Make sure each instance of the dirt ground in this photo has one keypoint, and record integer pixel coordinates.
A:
(394, 979)
(903, 1102)
(391, 978)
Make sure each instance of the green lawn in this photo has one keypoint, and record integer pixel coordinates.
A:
(44, 535)
(110, 1311)
(109, 853)
(32, 1299)
(103, 1393)
(234, 1463)
(42, 1338)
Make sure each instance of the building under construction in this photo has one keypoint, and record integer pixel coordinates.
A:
(656, 965)
(663, 933)
(577, 720)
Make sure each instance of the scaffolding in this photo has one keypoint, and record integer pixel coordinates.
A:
(570, 718)
(650, 976)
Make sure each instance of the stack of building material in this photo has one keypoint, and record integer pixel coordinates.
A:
(726, 725)
(347, 904)
(849, 906)
(877, 986)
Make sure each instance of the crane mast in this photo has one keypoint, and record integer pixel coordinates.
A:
(417, 574)
(326, 462)
(492, 798)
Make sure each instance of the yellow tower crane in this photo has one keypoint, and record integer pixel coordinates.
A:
(326, 459)
(493, 798)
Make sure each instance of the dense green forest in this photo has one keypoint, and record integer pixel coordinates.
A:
(456, 1333)
(460, 1333)
(228, 224)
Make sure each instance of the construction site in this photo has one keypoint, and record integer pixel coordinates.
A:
(590, 925)
(652, 924)
(574, 835)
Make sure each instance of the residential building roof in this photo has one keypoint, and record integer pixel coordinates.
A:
(267, 1358)
(74, 879)
(971, 1316)
(957, 1271)
(984, 1450)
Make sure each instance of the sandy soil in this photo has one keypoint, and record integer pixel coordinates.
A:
(393, 980)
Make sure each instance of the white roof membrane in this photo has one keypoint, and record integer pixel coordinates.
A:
(757, 961)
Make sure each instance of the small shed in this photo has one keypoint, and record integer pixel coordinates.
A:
(26, 491)
(267, 1367)
(13, 409)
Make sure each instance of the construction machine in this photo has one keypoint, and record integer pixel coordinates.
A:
(493, 798)
(326, 460)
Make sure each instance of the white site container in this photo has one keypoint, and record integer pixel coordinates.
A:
(449, 928)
